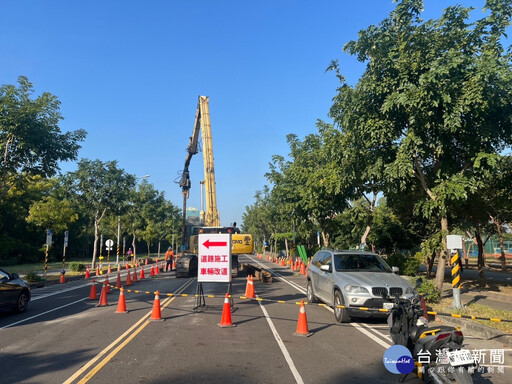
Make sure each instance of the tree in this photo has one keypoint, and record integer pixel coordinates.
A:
(52, 213)
(438, 94)
(99, 187)
(30, 139)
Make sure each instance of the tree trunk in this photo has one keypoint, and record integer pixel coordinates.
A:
(442, 259)
(430, 264)
(148, 248)
(159, 244)
(365, 234)
(497, 223)
(134, 247)
(480, 262)
(96, 237)
(325, 238)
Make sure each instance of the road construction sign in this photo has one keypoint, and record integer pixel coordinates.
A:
(214, 253)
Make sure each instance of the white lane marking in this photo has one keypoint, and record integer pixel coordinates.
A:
(44, 295)
(284, 351)
(44, 313)
(372, 329)
(357, 326)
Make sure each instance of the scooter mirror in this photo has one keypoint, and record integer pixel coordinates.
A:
(419, 282)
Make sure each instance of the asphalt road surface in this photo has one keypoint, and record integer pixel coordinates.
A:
(65, 338)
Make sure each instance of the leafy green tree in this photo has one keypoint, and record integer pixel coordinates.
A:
(30, 139)
(98, 187)
(438, 94)
(52, 213)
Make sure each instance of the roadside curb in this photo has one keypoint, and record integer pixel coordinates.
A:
(476, 329)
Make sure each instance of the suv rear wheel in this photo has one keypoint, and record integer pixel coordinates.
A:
(311, 296)
(341, 314)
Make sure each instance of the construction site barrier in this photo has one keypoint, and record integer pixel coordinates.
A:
(315, 304)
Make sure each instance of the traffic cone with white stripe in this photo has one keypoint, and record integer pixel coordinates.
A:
(134, 279)
(302, 271)
(93, 295)
(118, 282)
(156, 314)
(121, 305)
(249, 289)
(109, 270)
(103, 296)
(157, 269)
(152, 272)
(87, 273)
(142, 275)
(226, 314)
(302, 325)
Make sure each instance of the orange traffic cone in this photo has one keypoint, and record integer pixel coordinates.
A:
(307, 268)
(152, 272)
(249, 289)
(121, 305)
(156, 314)
(283, 264)
(97, 271)
(62, 278)
(302, 325)
(109, 270)
(173, 264)
(146, 262)
(157, 269)
(142, 276)
(118, 283)
(134, 275)
(127, 266)
(157, 260)
(302, 272)
(87, 273)
(226, 314)
(137, 265)
(103, 296)
(118, 267)
(128, 279)
(108, 284)
(93, 295)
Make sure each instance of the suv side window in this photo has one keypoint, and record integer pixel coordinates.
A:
(317, 260)
(327, 260)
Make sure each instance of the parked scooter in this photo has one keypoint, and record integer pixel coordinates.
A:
(437, 351)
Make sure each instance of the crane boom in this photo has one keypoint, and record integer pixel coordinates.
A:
(241, 243)
(202, 123)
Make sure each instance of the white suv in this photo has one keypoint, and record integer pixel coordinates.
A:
(354, 279)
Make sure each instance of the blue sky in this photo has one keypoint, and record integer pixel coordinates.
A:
(130, 72)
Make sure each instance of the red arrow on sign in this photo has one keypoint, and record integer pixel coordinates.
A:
(209, 243)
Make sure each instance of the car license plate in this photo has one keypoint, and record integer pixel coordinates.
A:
(387, 305)
(460, 357)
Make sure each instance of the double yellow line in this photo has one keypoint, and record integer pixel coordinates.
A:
(132, 332)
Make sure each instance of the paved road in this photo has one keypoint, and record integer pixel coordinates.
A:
(64, 337)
